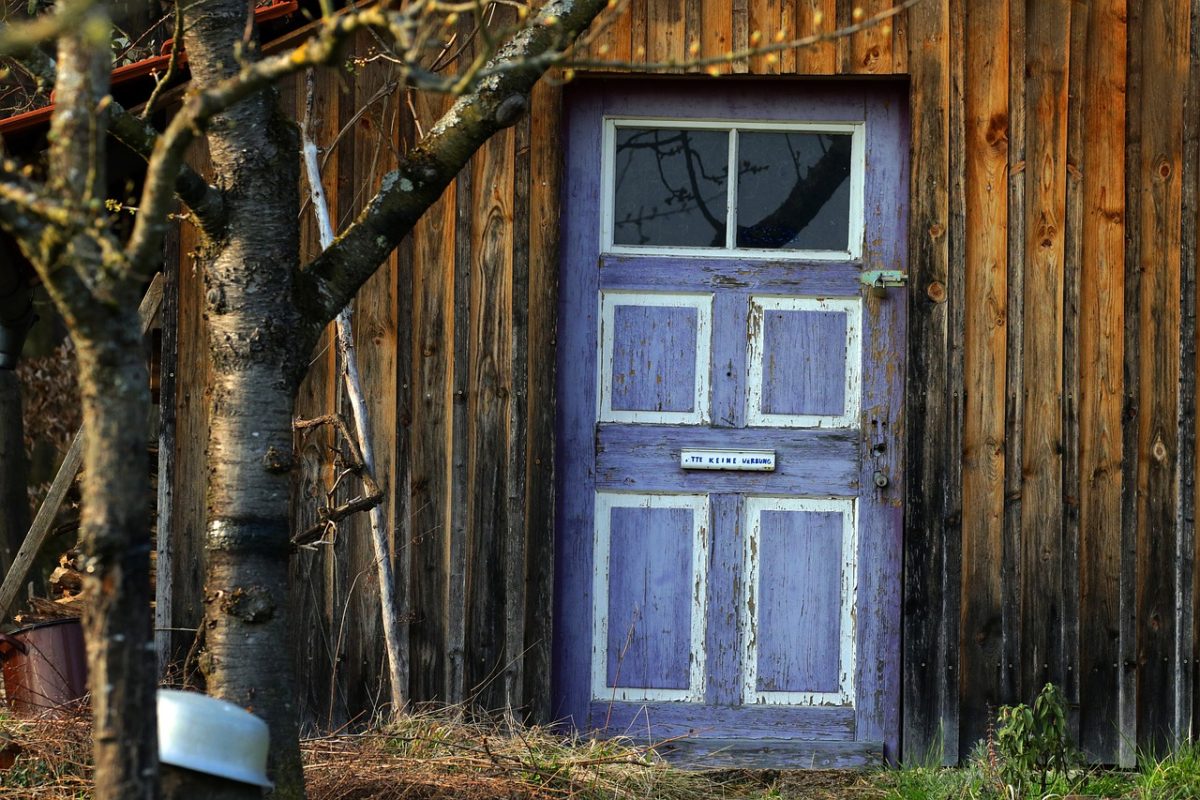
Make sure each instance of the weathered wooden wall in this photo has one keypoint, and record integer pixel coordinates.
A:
(1051, 373)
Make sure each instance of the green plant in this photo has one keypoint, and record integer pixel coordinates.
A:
(1174, 777)
(1032, 742)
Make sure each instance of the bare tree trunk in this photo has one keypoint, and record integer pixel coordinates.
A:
(184, 784)
(252, 328)
(115, 392)
(98, 297)
(257, 344)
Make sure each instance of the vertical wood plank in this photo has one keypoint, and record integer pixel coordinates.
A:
(188, 514)
(1185, 514)
(343, 573)
(741, 32)
(766, 19)
(871, 49)
(370, 155)
(1046, 60)
(614, 43)
(1164, 29)
(489, 389)
(716, 36)
(930, 680)
(164, 540)
(814, 17)
(1010, 569)
(665, 32)
(429, 470)
(312, 612)
(843, 17)
(1101, 323)
(454, 610)
(1072, 256)
(401, 494)
(693, 26)
(956, 297)
(985, 253)
(545, 174)
(517, 435)
(900, 43)
(639, 29)
(1132, 379)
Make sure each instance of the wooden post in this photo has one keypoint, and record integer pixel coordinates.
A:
(164, 599)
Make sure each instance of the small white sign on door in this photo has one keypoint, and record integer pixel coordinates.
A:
(743, 460)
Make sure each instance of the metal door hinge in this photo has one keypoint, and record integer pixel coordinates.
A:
(880, 280)
(886, 278)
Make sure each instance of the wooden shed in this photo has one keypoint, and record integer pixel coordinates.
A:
(816, 408)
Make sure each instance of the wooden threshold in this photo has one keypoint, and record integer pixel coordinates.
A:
(711, 753)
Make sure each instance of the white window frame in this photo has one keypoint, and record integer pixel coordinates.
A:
(854, 238)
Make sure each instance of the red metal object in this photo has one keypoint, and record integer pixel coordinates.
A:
(45, 666)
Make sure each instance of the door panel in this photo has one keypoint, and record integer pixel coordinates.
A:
(805, 360)
(725, 603)
(799, 601)
(654, 357)
(651, 555)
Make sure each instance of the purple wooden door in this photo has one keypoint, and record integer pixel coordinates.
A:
(730, 425)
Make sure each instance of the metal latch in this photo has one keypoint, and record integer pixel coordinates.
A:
(880, 280)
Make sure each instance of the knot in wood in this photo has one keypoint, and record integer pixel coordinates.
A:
(511, 109)
(997, 129)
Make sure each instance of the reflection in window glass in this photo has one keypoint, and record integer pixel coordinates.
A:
(793, 190)
(670, 187)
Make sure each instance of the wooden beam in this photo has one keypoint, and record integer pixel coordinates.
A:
(1102, 323)
(984, 251)
(931, 568)
(39, 531)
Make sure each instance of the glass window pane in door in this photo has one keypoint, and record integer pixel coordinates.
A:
(670, 187)
(793, 190)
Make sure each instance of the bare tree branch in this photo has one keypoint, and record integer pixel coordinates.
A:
(372, 495)
(495, 102)
(31, 200)
(170, 148)
(17, 39)
(172, 67)
(139, 136)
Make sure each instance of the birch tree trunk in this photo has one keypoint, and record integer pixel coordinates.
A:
(256, 338)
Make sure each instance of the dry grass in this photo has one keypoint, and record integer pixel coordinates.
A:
(46, 758)
(433, 756)
(436, 756)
